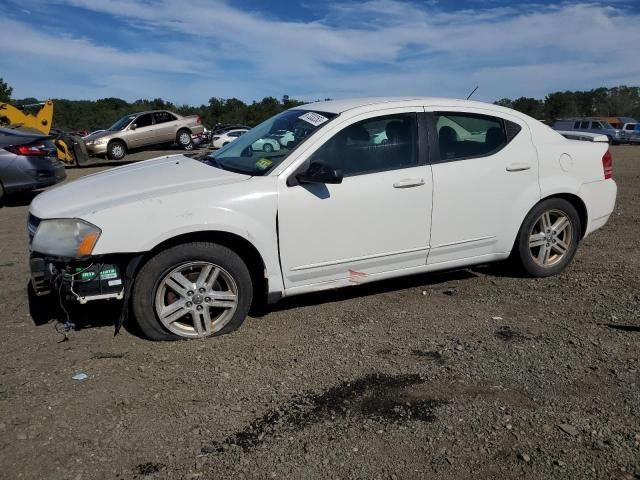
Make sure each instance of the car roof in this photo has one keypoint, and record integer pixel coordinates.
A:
(342, 105)
(148, 111)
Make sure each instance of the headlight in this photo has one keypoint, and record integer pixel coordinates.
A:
(65, 238)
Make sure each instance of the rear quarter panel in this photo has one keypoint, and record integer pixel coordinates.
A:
(575, 167)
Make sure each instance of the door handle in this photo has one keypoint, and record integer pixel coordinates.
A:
(518, 167)
(409, 182)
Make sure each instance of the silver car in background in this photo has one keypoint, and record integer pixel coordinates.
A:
(591, 125)
(143, 129)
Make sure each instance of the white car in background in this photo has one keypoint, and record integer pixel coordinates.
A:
(189, 244)
(222, 139)
(285, 137)
(266, 145)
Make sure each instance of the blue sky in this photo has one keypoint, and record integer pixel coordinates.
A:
(187, 52)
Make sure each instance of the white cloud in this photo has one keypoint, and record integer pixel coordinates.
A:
(375, 47)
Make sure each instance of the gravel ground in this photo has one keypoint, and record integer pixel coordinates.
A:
(469, 374)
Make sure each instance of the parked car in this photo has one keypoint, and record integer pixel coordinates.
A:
(591, 125)
(218, 129)
(190, 244)
(142, 130)
(224, 138)
(92, 134)
(628, 129)
(634, 136)
(266, 145)
(284, 137)
(28, 161)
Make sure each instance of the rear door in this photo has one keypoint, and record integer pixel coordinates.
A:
(485, 179)
(165, 128)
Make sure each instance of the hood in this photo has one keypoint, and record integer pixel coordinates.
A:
(95, 136)
(131, 183)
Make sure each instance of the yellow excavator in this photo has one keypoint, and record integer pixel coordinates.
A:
(71, 148)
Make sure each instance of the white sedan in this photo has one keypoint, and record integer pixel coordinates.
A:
(266, 145)
(225, 138)
(190, 244)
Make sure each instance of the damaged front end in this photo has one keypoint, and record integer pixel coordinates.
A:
(74, 275)
(80, 281)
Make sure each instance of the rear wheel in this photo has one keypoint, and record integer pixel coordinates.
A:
(1, 192)
(267, 148)
(184, 139)
(190, 291)
(548, 238)
(116, 150)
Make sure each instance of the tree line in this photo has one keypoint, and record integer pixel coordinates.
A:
(75, 115)
(619, 101)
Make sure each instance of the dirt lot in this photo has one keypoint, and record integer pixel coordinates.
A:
(468, 374)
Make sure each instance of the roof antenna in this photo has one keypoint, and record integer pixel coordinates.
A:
(472, 92)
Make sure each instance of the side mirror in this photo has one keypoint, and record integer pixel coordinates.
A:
(133, 126)
(320, 173)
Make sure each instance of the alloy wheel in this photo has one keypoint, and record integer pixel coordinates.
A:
(196, 299)
(550, 238)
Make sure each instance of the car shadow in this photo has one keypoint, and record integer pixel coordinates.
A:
(500, 269)
(358, 291)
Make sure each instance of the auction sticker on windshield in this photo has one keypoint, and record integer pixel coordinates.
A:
(264, 163)
(313, 118)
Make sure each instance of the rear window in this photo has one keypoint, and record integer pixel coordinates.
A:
(467, 135)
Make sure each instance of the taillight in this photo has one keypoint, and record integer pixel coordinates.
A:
(30, 150)
(607, 165)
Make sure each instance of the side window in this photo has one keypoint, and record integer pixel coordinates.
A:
(143, 120)
(596, 125)
(163, 117)
(576, 125)
(467, 135)
(373, 145)
(584, 125)
(630, 126)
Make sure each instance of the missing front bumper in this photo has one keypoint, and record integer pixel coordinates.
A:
(77, 281)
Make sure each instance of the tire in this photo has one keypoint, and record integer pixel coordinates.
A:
(153, 292)
(1, 192)
(540, 251)
(183, 138)
(116, 150)
(267, 148)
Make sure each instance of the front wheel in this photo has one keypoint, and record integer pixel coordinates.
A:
(190, 291)
(267, 148)
(548, 238)
(116, 150)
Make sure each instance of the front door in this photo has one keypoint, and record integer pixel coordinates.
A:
(377, 220)
(485, 176)
(143, 133)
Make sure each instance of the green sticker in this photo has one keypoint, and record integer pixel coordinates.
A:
(264, 163)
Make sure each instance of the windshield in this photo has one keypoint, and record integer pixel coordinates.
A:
(264, 147)
(606, 125)
(122, 123)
